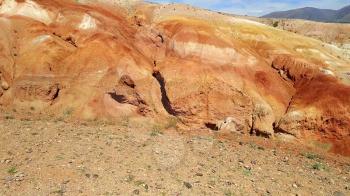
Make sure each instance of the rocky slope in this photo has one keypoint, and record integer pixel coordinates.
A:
(334, 34)
(119, 59)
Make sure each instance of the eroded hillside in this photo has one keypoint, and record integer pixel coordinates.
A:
(333, 34)
(115, 59)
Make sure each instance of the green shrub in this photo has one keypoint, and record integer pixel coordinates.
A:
(12, 170)
(318, 166)
(311, 156)
(157, 130)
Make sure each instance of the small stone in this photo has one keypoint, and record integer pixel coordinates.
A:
(9, 179)
(29, 150)
(145, 186)
(188, 185)
(136, 192)
(199, 174)
(5, 85)
(247, 167)
(295, 185)
(274, 152)
(66, 182)
(19, 177)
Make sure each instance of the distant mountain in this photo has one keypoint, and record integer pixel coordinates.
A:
(310, 13)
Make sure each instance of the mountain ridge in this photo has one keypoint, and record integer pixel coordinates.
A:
(315, 14)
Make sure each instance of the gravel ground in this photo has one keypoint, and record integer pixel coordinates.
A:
(66, 158)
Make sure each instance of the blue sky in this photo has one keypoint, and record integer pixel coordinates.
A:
(259, 7)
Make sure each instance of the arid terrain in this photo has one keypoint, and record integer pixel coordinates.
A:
(110, 97)
(136, 158)
(332, 33)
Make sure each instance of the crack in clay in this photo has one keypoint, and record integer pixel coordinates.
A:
(68, 40)
(277, 129)
(165, 99)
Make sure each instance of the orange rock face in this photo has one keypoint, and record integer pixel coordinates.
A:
(111, 59)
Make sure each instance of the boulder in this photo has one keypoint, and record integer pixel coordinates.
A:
(231, 125)
(4, 85)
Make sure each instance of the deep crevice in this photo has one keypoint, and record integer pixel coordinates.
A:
(161, 38)
(71, 41)
(55, 96)
(252, 127)
(68, 40)
(118, 98)
(262, 134)
(284, 73)
(126, 80)
(289, 104)
(212, 126)
(165, 99)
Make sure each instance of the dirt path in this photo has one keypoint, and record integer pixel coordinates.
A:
(57, 158)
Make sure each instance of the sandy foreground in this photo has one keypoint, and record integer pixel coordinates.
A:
(129, 158)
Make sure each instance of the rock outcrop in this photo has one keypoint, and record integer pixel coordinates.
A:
(111, 59)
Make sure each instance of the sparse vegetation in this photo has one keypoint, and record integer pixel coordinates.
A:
(232, 103)
(156, 131)
(247, 172)
(142, 184)
(172, 123)
(130, 178)
(124, 121)
(311, 156)
(254, 146)
(207, 162)
(59, 191)
(68, 112)
(260, 111)
(322, 146)
(12, 170)
(228, 193)
(319, 166)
